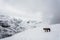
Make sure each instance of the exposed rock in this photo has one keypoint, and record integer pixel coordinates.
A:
(11, 25)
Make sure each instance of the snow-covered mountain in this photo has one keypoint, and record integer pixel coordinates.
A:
(12, 25)
(9, 26)
(38, 34)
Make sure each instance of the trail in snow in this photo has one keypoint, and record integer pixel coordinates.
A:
(38, 34)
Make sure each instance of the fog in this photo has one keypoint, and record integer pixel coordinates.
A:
(26, 9)
(52, 11)
(46, 10)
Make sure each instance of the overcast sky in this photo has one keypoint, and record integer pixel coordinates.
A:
(49, 10)
(24, 8)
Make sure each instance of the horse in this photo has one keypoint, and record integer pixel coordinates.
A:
(47, 29)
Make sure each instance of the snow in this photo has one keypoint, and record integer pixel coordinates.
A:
(9, 25)
(38, 34)
(12, 25)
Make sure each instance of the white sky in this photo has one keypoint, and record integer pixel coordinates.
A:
(28, 9)
(46, 10)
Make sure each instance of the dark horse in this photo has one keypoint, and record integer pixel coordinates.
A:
(47, 29)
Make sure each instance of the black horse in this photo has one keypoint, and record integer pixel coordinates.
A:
(47, 29)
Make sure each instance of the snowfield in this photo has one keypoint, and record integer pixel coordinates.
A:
(38, 34)
(10, 26)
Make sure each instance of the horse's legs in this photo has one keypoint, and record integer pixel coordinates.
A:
(49, 30)
(45, 30)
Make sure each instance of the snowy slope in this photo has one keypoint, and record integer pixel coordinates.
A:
(12, 25)
(9, 26)
(38, 34)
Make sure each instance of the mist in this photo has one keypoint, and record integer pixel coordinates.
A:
(25, 9)
(46, 10)
(51, 11)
